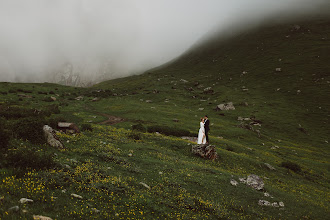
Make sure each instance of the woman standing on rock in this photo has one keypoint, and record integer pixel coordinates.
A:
(201, 133)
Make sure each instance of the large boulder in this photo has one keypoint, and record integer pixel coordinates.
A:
(52, 138)
(255, 182)
(225, 107)
(205, 151)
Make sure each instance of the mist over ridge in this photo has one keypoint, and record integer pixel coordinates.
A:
(83, 42)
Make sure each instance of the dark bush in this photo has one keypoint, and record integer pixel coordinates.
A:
(20, 99)
(12, 91)
(52, 92)
(139, 127)
(291, 166)
(54, 109)
(86, 127)
(168, 131)
(31, 129)
(4, 137)
(229, 148)
(135, 136)
(4, 93)
(27, 158)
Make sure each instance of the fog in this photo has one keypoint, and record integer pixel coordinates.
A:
(79, 42)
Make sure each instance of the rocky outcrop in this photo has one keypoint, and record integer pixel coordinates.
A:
(205, 151)
(225, 107)
(52, 138)
(255, 182)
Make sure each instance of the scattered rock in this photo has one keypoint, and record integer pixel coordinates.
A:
(275, 204)
(130, 154)
(25, 200)
(225, 107)
(79, 98)
(53, 98)
(205, 151)
(255, 182)
(148, 101)
(52, 138)
(269, 166)
(95, 99)
(201, 109)
(40, 217)
(266, 194)
(76, 196)
(281, 204)
(68, 127)
(278, 69)
(145, 185)
(264, 203)
(95, 210)
(233, 182)
(14, 208)
(242, 180)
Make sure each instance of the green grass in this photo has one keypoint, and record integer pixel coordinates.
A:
(97, 165)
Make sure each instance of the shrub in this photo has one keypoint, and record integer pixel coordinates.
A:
(168, 131)
(139, 127)
(54, 109)
(86, 127)
(229, 148)
(26, 158)
(31, 129)
(52, 92)
(134, 135)
(4, 138)
(291, 166)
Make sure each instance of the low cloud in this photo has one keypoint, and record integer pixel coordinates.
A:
(84, 41)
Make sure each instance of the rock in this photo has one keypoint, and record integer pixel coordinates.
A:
(269, 166)
(95, 99)
(53, 98)
(52, 138)
(40, 217)
(266, 194)
(79, 98)
(233, 182)
(176, 120)
(14, 208)
(25, 200)
(275, 204)
(130, 154)
(95, 210)
(68, 127)
(225, 107)
(255, 182)
(76, 196)
(148, 101)
(205, 151)
(278, 69)
(145, 185)
(201, 109)
(242, 180)
(281, 204)
(264, 203)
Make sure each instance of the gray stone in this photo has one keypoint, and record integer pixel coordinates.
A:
(52, 138)
(233, 182)
(225, 107)
(25, 200)
(145, 185)
(255, 182)
(264, 203)
(269, 166)
(14, 208)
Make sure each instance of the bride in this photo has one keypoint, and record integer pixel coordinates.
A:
(201, 133)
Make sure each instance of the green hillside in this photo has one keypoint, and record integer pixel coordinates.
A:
(121, 170)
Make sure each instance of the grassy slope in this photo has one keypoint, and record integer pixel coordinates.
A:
(109, 179)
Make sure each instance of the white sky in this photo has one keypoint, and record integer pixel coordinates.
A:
(38, 36)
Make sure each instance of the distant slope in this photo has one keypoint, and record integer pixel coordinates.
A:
(242, 68)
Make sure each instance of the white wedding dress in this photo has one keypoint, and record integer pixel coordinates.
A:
(201, 134)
